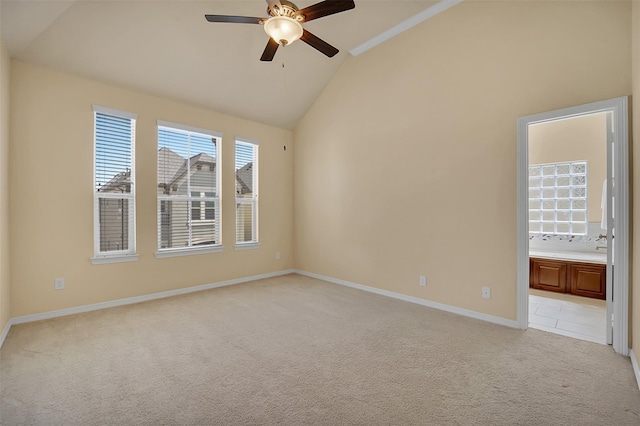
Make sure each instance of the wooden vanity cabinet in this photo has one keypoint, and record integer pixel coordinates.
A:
(565, 276)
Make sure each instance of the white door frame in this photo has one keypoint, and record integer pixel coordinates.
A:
(617, 106)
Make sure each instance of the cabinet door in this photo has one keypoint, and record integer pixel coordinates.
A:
(549, 275)
(588, 280)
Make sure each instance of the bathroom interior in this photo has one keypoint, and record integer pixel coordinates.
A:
(568, 226)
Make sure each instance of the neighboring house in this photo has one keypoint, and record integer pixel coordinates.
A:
(114, 214)
(183, 221)
(177, 217)
(244, 189)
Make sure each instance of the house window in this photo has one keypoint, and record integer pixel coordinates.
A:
(203, 210)
(558, 198)
(246, 194)
(188, 189)
(114, 189)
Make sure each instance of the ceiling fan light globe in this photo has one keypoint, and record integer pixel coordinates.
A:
(283, 29)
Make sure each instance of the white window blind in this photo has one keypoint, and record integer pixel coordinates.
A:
(188, 188)
(246, 192)
(114, 183)
(558, 198)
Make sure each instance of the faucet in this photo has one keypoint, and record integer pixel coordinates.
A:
(599, 246)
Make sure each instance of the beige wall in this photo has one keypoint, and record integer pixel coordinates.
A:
(406, 164)
(5, 307)
(576, 139)
(635, 275)
(52, 198)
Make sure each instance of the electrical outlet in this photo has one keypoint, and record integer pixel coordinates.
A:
(58, 284)
(486, 292)
(277, 255)
(423, 280)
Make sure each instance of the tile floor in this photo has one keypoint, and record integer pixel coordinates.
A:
(568, 315)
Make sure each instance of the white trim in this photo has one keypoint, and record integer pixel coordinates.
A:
(187, 251)
(247, 140)
(617, 106)
(404, 26)
(522, 226)
(138, 299)
(176, 126)
(621, 224)
(636, 367)
(5, 332)
(102, 260)
(440, 306)
(115, 112)
(247, 246)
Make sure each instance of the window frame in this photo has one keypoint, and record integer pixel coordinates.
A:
(189, 198)
(253, 201)
(114, 256)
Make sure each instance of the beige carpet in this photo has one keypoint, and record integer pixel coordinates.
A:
(294, 350)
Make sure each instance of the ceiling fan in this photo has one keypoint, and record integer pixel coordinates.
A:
(284, 25)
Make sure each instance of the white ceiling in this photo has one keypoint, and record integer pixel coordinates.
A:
(167, 48)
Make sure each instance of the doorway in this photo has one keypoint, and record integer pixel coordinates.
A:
(617, 200)
(567, 226)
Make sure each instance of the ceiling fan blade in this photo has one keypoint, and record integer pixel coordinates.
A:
(234, 19)
(274, 4)
(318, 44)
(325, 8)
(270, 50)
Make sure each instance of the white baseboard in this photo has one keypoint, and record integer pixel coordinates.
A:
(131, 300)
(416, 300)
(636, 367)
(5, 332)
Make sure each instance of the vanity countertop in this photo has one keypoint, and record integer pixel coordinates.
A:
(576, 256)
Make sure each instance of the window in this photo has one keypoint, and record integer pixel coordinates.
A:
(203, 210)
(188, 190)
(114, 189)
(246, 194)
(558, 198)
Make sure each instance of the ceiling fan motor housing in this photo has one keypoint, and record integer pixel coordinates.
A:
(288, 9)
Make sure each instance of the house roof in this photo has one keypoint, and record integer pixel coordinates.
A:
(168, 165)
(119, 182)
(181, 173)
(172, 167)
(244, 179)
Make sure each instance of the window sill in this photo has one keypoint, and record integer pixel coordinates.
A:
(187, 251)
(247, 246)
(101, 260)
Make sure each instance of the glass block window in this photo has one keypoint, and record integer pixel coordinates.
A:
(558, 198)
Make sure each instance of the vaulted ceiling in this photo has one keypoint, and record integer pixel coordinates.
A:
(167, 48)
